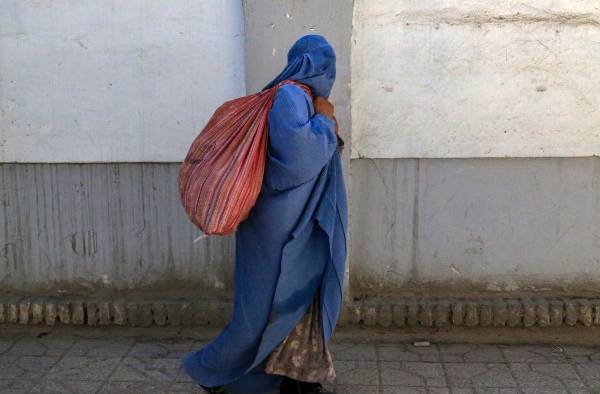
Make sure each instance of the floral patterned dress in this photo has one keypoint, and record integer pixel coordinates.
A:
(303, 355)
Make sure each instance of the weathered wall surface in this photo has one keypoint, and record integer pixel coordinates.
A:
(117, 87)
(93, 228)
(469, 120)
(419, 225)
(114, 81)
(96, 228)
(460, 225)
(477, 78)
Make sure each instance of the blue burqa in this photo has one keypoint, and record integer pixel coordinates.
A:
(293, 244)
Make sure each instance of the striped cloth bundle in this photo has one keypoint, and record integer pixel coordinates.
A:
(221, 176)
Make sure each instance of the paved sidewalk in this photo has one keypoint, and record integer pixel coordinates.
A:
(63, 363)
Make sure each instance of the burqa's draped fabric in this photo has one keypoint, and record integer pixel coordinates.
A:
(294, 241)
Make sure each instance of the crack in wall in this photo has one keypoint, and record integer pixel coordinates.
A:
(415, 225)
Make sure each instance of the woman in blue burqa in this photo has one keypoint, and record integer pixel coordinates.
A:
(290, 252)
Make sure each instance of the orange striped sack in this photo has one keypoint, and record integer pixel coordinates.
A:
(221, 176)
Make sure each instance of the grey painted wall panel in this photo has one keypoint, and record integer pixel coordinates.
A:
(509, 222)
(479, 224)
(103, 226)
(382, 222)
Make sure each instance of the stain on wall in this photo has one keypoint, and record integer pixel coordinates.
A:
(475, 79)
(95, 227)
(459, 225)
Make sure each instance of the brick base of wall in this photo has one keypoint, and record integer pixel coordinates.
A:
(406, 312)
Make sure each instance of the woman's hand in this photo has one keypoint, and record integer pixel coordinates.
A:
(323, 106)
(337, 134)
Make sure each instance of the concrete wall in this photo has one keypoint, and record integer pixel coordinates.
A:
(478, 78)
(83, 228)
(455, 226)
(107, 81)
(418, 225)
(97, 228)
(114, 81)
(463, 82)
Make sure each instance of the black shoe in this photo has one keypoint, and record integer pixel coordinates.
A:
(291, 386)
(215, 390)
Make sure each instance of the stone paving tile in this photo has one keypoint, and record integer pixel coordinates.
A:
(355, 389)
(197, 345)
(182, 376)
(438, 390)
(544, 390)
(595, 358)
(479, 375)
(352, 352)
(546, 375)
(165, 349)
(329, 386)
(547, 390)
(66, 386)
(40, 347)
(71, 365)
(149, 388)
(533, 354)
(136, 369)
(100, 348)
(25, 367)
(83, 368)
(404, 390)
(402, 352)
(471, 353)
(414, 390)
(579, 354)
(357, 373)
(10, 386)
(5, 344)
(591, 374)
(412, 374)
(489, 390)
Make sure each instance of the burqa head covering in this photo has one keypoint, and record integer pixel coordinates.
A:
(311, 61)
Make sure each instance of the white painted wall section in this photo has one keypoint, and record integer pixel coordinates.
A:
(476, 78)
(114, 81)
